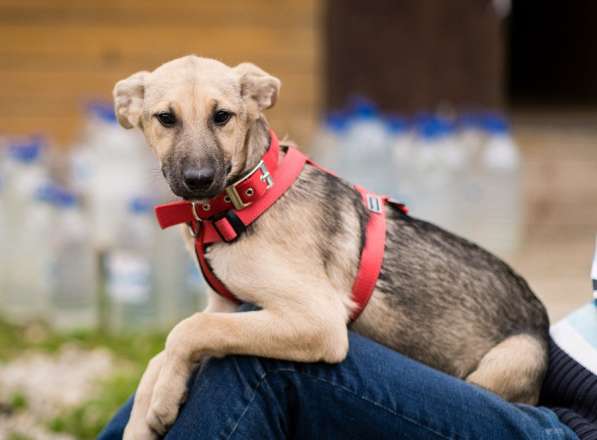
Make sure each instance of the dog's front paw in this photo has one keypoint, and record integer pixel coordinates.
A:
(161, 415)
(139, 430)
(169, 394)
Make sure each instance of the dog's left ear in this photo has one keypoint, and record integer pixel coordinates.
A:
(128, 99)
(258, 85)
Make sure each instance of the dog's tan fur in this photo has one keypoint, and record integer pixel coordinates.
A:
(304, 307)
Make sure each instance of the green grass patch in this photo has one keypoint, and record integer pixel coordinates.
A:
(85, 421)
(18, 436)
(17, 401)
(131, 350)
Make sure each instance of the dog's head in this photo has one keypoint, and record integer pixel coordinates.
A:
(196, 114)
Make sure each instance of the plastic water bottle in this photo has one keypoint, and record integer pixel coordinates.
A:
(195, 284)
(129, 284)
(329, 139)
(430, 202)
(113, 166)
(178, 282)
(24, 174)
(501, 163)
(27, 296)
(27, 224)
(471, 138)
(459, 191)
(471, 133)
(366, 157)
(75, 269)
(403, 151)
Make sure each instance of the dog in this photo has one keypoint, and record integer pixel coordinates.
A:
(439, 299)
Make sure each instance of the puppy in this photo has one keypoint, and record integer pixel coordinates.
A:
(439, 298)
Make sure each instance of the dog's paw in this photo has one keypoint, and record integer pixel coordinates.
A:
(168, 396)
(161, 415)
(139, 430)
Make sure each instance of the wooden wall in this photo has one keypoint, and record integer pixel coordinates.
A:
(55, 54)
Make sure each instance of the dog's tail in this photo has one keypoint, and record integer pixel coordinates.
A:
(514, 368)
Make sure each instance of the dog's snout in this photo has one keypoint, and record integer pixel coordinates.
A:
(196, 179)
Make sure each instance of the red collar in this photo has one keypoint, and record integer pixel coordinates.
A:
(224, 217)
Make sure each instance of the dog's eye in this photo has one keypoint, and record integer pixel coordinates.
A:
(221, 117)
(167, 119)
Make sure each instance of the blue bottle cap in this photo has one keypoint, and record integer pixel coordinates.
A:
(336, 121)
(46, 193)
(494, 123)
(26, 150)
(63, 198)
(102, 110)
(434, 127)
(363, 108)
(397, 124)
(140, 205)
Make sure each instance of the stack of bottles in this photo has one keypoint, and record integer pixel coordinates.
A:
(79, 245)
(461, 172)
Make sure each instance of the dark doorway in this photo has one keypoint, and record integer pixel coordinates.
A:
(413, 55)
(553, 53)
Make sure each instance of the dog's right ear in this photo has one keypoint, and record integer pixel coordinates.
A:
(128, 99)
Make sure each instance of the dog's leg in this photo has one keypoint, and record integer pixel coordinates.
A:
(513, 369)
(137, 427)
(289, 332)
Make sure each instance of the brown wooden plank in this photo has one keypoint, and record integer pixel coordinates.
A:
(53, 86)
(125, 60)
(153, 39)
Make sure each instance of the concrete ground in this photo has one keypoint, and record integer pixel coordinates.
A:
(560, 152)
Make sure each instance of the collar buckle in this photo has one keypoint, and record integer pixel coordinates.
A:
(265, 175)
(232, 191)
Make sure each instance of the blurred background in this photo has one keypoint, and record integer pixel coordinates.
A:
(479, 114)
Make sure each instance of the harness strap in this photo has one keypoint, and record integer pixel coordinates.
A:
(210, 277)
(372, 253)
(216, 221)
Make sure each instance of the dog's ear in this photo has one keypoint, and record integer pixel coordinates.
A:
(128, 99)
(258, 85)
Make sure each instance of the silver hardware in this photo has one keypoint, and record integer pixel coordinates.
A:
(250, 192)
(266, 176)
(206, 207)
(194, 211)
(374, 203)
(227, 199)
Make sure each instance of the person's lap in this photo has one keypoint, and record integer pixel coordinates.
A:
(374, 393)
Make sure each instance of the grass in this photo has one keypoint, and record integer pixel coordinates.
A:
(17, 402)
(85, 420)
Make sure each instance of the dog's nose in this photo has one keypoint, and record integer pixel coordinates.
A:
(198, 178)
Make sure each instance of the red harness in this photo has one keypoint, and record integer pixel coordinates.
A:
(225, 217)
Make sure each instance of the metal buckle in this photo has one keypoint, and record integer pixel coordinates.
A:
(194, 205)
(374, 203)
(232, 192)
(266, 176)
(198, 219)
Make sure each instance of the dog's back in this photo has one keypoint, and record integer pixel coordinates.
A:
(440, 299)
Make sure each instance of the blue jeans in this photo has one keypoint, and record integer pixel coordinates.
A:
(375, 393)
